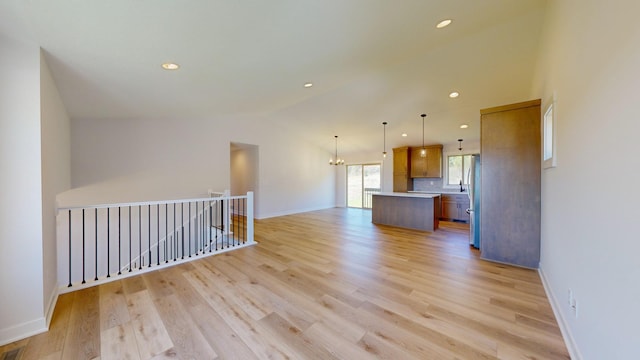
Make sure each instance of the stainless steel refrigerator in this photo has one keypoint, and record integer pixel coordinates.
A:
(473, 181)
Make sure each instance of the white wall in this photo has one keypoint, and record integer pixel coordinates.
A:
(294, 176)
(56, 175)
(590, 243)
(156, 159)
(21, 254)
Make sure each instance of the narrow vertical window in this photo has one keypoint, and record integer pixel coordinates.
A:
(548, 150)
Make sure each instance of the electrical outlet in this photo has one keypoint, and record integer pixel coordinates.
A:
(574, 307)
(573, 303)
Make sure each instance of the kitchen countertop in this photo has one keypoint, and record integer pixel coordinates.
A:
(410, 194)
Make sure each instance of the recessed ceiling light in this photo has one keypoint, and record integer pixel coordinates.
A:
(170, 66)
(464, 126)
(444, 23)
(454, 95)
(404, 135)
(308, 85)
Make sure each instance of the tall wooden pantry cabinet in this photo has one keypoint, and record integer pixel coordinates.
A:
(402, 181)
(510, 180)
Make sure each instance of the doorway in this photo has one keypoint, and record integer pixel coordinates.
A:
(363, 180)
(244, 170)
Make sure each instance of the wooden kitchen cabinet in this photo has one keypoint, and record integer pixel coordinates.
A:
(454, 207)
(510, 178)
(429, 166)
(402, 181)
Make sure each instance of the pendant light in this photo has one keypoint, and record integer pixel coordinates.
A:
(423, 151)
(384, 139)
(460, 144)
(338, 160)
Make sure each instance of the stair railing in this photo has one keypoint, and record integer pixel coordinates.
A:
(99, 243)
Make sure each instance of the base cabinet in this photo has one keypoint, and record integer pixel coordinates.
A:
(454, 207)
(406, 211)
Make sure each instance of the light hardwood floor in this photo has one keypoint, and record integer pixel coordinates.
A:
(320, 285)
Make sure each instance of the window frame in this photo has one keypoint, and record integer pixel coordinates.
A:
(362, 187)
(549, 147)
(464, 182)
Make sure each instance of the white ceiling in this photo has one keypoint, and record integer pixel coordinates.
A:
(369, 60)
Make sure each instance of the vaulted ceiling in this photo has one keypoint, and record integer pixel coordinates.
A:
(369, 61)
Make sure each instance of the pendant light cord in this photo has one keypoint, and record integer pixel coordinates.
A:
(384, 138)
(423, 116)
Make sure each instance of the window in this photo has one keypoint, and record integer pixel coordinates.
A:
(458, 169)
(548, 144)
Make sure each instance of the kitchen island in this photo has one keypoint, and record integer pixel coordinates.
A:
(407, 210)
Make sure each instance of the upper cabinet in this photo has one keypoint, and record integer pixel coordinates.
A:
(429, 166)
(401, 164)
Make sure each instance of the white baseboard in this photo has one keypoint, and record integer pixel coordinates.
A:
(51, 306)
(291, 212)
(572, 347)
(30, 328)
(21, 331)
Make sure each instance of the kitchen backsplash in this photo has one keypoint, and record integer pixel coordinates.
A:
(434, 185)
(427, 184)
